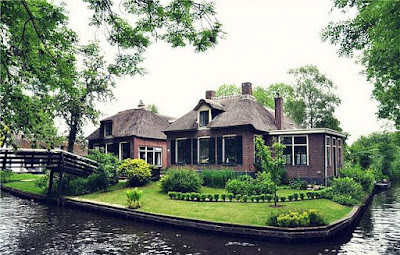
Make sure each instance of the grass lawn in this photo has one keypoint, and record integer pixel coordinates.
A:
(232, 212)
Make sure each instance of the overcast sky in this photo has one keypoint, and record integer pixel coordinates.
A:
(264, 40)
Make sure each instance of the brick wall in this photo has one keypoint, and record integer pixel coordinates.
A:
(151, 143)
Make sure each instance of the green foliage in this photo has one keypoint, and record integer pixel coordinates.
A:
(377, 152)
(365, 178)
(283, 199)
(181, 180)
(246, 185)
(9, 176)
(374, 33)
(346, 191)
(210, 197)
(245, 198)
(172, 194)
(290, 198)
(293, 219)
(5, 176)
(302, 196)
(134, 196)
(314, 99)
(296, 196)
(230, 196)
(227, 90)
(216, 197)
(108, 163)
(216, 178)
(223, 197)
(298, 183)
(253, 198)
(238, 197)
(137, 171)
(269, 197)
(153, 108)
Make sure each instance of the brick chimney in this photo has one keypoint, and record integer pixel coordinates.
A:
(279, 112)
(247, 89)
(210, 94)
(141, 104)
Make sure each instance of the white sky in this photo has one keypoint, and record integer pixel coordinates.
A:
(264, 40)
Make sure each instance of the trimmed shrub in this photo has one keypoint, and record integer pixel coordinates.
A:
(137, 171)
(217, 178)
(230, 197)
(172, 194)
(181, 180)
(223, 197)
(246, 185)
(245, 198)
(238, 197)
(210, 197)
(216, 197)
(203, 197)
(258, 198)
(302, 195)
(262, 197)
(290, 198)
(253, 198)
(283, 199)
(296, 196)
(269, 197)
(296, 219)
(309, 195)
(134, 196)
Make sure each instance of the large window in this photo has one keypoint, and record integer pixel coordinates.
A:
(230, 155)
(204, 150)
(152, 155)
(124, 150)
(108, 128)
(204, 118)
(296, 151)
(180, 151)
(328, 151)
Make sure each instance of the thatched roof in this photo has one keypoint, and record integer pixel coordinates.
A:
(136, 122)
(235, 111)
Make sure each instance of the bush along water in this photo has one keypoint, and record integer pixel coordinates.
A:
(293, 219)
(133, 197)
(181, 180)
(137, 171)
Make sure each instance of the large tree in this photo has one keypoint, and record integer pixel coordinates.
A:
(38, 50)
(314, 96)
(227, 90)
(374, 35)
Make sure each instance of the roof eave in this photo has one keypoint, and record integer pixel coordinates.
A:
(308, 131)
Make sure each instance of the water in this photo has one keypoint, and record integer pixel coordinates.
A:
(27, 227)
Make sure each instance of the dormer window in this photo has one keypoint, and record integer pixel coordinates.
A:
(107, 128)
(204, 118)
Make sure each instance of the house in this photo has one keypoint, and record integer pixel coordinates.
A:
(220, 131)
(134, 133)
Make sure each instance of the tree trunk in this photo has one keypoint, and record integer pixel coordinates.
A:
(73, 130)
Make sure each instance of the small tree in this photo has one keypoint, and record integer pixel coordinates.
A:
(271, 161)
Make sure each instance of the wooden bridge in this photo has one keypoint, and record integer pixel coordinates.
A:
(54, 160)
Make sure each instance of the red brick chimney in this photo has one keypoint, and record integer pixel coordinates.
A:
(210, 94)
(279, 112)
(247, 89)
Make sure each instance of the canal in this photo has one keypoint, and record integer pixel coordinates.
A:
(31, 228)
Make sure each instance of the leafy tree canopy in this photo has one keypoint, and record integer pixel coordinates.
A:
(227, 90)
(375, 34)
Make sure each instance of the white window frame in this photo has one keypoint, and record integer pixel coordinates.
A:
(176, 149)
(120, 150)
(223, 147)
(96, 147)
(198, 149)
(155, 149)
(105, 124)
(106, 147)
(326, 151)
(294, 145)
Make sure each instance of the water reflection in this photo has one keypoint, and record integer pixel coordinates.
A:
(31, 228)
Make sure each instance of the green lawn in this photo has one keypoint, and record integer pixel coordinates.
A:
(27, 186)
(232, 212)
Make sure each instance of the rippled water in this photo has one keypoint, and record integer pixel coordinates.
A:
(31, 228)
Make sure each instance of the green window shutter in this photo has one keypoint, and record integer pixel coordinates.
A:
(239, 149)
(188, 151)
(194, 149)
(172, 149)
(219, 150)
(212, 151)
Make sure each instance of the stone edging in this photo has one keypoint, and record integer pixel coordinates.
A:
(262, 232)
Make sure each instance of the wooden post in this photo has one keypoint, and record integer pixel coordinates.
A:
(60, 182)
(50, 185)
(5, 159)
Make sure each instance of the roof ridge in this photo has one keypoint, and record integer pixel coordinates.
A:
(240, 96)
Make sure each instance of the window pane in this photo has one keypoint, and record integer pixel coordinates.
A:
(149, 148)
(204, 152)
(125, 150)
(181, 151)
(157, 149)
(150, 157)
(334, 142)
(204, 118)
(300, 155)
(109, 148)
(286, 140)
(158, 159)
(230, 150)
(287, 155)
(328, 141)
(142, 148)
(328, 156)
(142, 155)
(107, 129)
(300, 140)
